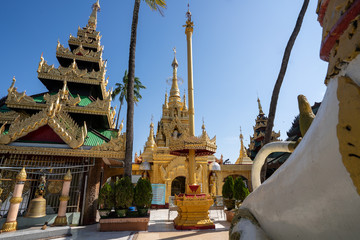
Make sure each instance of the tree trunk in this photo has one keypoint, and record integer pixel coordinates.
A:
(285, 60)
(130, 93)
(117, 120)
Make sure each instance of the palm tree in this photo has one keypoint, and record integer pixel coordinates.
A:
(284, 63)
(121, 90)
(155, 5)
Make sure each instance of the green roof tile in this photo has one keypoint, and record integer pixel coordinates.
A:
(94, 140)
(4, 108)
(39, 99)
(84, 101)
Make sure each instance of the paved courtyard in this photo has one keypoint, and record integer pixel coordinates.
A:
(159, 228)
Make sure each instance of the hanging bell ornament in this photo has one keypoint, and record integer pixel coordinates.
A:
(37, 206)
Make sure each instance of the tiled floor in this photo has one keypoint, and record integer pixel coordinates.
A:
(159, 228)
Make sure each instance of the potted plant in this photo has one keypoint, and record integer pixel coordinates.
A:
(124, 190)
(228, 193)
(240, 190)
(143, 196)
(106, 200)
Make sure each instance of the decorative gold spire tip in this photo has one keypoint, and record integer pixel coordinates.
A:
(260, 108)
(68, 176)
(174, 64)
(21, 176)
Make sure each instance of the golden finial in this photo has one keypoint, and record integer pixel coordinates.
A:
(184, 107)
(21, 176)
(152, 119)
(121, 126)
(93, 17)
(189, 24)
(259, 105)
(241, 136)
(150, 142)
(174, 64)
(188, 13)
(12, 85)
(68, 176)
(73, 64)
(203, 125)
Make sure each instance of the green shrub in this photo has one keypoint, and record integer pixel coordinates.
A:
(124, 193)
(240, 191)
(228, 188)
(107, 196)
(143, 193)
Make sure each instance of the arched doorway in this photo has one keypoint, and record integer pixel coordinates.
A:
(178, 185)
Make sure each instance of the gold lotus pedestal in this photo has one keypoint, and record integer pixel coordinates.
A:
(193, 211)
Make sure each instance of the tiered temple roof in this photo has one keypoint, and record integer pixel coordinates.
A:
(75, 111)
(257, 140)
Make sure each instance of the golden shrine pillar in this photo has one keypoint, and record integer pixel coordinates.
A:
(11, 223)
(193, 212)
(61, 219)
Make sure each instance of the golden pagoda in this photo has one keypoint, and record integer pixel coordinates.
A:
(71, 126)
(243, 157)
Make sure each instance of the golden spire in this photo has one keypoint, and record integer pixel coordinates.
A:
(174, 91)
(150, 143)
(166, 100)
(260, 108)
(184, 106)
(93, 17)
(243, 153)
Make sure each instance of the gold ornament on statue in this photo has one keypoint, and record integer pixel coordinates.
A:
(37, 206)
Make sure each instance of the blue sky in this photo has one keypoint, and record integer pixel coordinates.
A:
(237, 51)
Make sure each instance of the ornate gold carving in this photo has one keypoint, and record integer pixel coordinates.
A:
(71, 74)
(62, 152)
(186, 142)
(9, 226)
(68, 176)
(58, 120)
(86, 41)
(64, 198)
(80, 54)
(21, 176)
(100, 104)
(8, 116)
(54, 187)
(14, 97)
(15, 200)
(115, 144)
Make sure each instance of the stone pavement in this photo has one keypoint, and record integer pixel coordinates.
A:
(159, 228)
